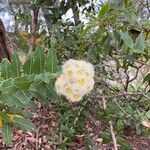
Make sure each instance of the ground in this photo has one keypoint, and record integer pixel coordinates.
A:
(46, 120)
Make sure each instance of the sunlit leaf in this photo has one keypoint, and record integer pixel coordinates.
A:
(103, 11)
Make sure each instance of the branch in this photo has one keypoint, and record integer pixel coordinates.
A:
(122, 94)
(111, 127)
(141, 62)
(113, 136)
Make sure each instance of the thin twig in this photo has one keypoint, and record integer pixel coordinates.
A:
(120, 94)
(113, 136)
(141, 62)
(110, 126)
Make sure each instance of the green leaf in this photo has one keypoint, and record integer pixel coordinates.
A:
(24, 82)
(15, 65)
(38, 80)
(105, 8)
(90, 142)
(139, 44)
(148, 114)
(127, 39)
(10, 100)
(88, 28)
(130, 16)
(125, 145)
(39, 60)
(147, 78)
(5, 69)
(7, 86)
(25, 114)
(120, 125)
(24, 124)
(51, 61)
(7, 134)
(24, 96)
(106, 137)
(28, 67)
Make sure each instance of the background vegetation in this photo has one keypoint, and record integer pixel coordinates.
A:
(113, 36)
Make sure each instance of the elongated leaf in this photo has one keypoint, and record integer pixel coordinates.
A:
(88, 28)
(24, 96)
(105, 8)
(24, 82)
(127, 39)
(5, 69)
(7, 134)
(51, 61)
(106, 137)
(51, 94)
(139, 44)
(38, 80)
(24, 124)
(28, 67)
(125, 145)
(1, 122)
(15, 65)
(7, 86)
(39, 60)
(147, 78)
(10, 100)
(148, 114)
(6, 101)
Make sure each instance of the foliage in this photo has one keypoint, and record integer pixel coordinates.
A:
(115, 40)
(20, 84)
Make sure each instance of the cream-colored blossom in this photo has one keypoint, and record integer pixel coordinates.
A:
(76, 97)
(76, 80)
(60, 83)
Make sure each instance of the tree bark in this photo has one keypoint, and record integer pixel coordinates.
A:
(6, 48)
(34, 27)
(75, 11)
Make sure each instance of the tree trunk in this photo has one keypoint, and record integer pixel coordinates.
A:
(75, 11)
(6, 48)
(34, 27)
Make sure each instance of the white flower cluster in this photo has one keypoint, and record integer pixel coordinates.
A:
(76, 80)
